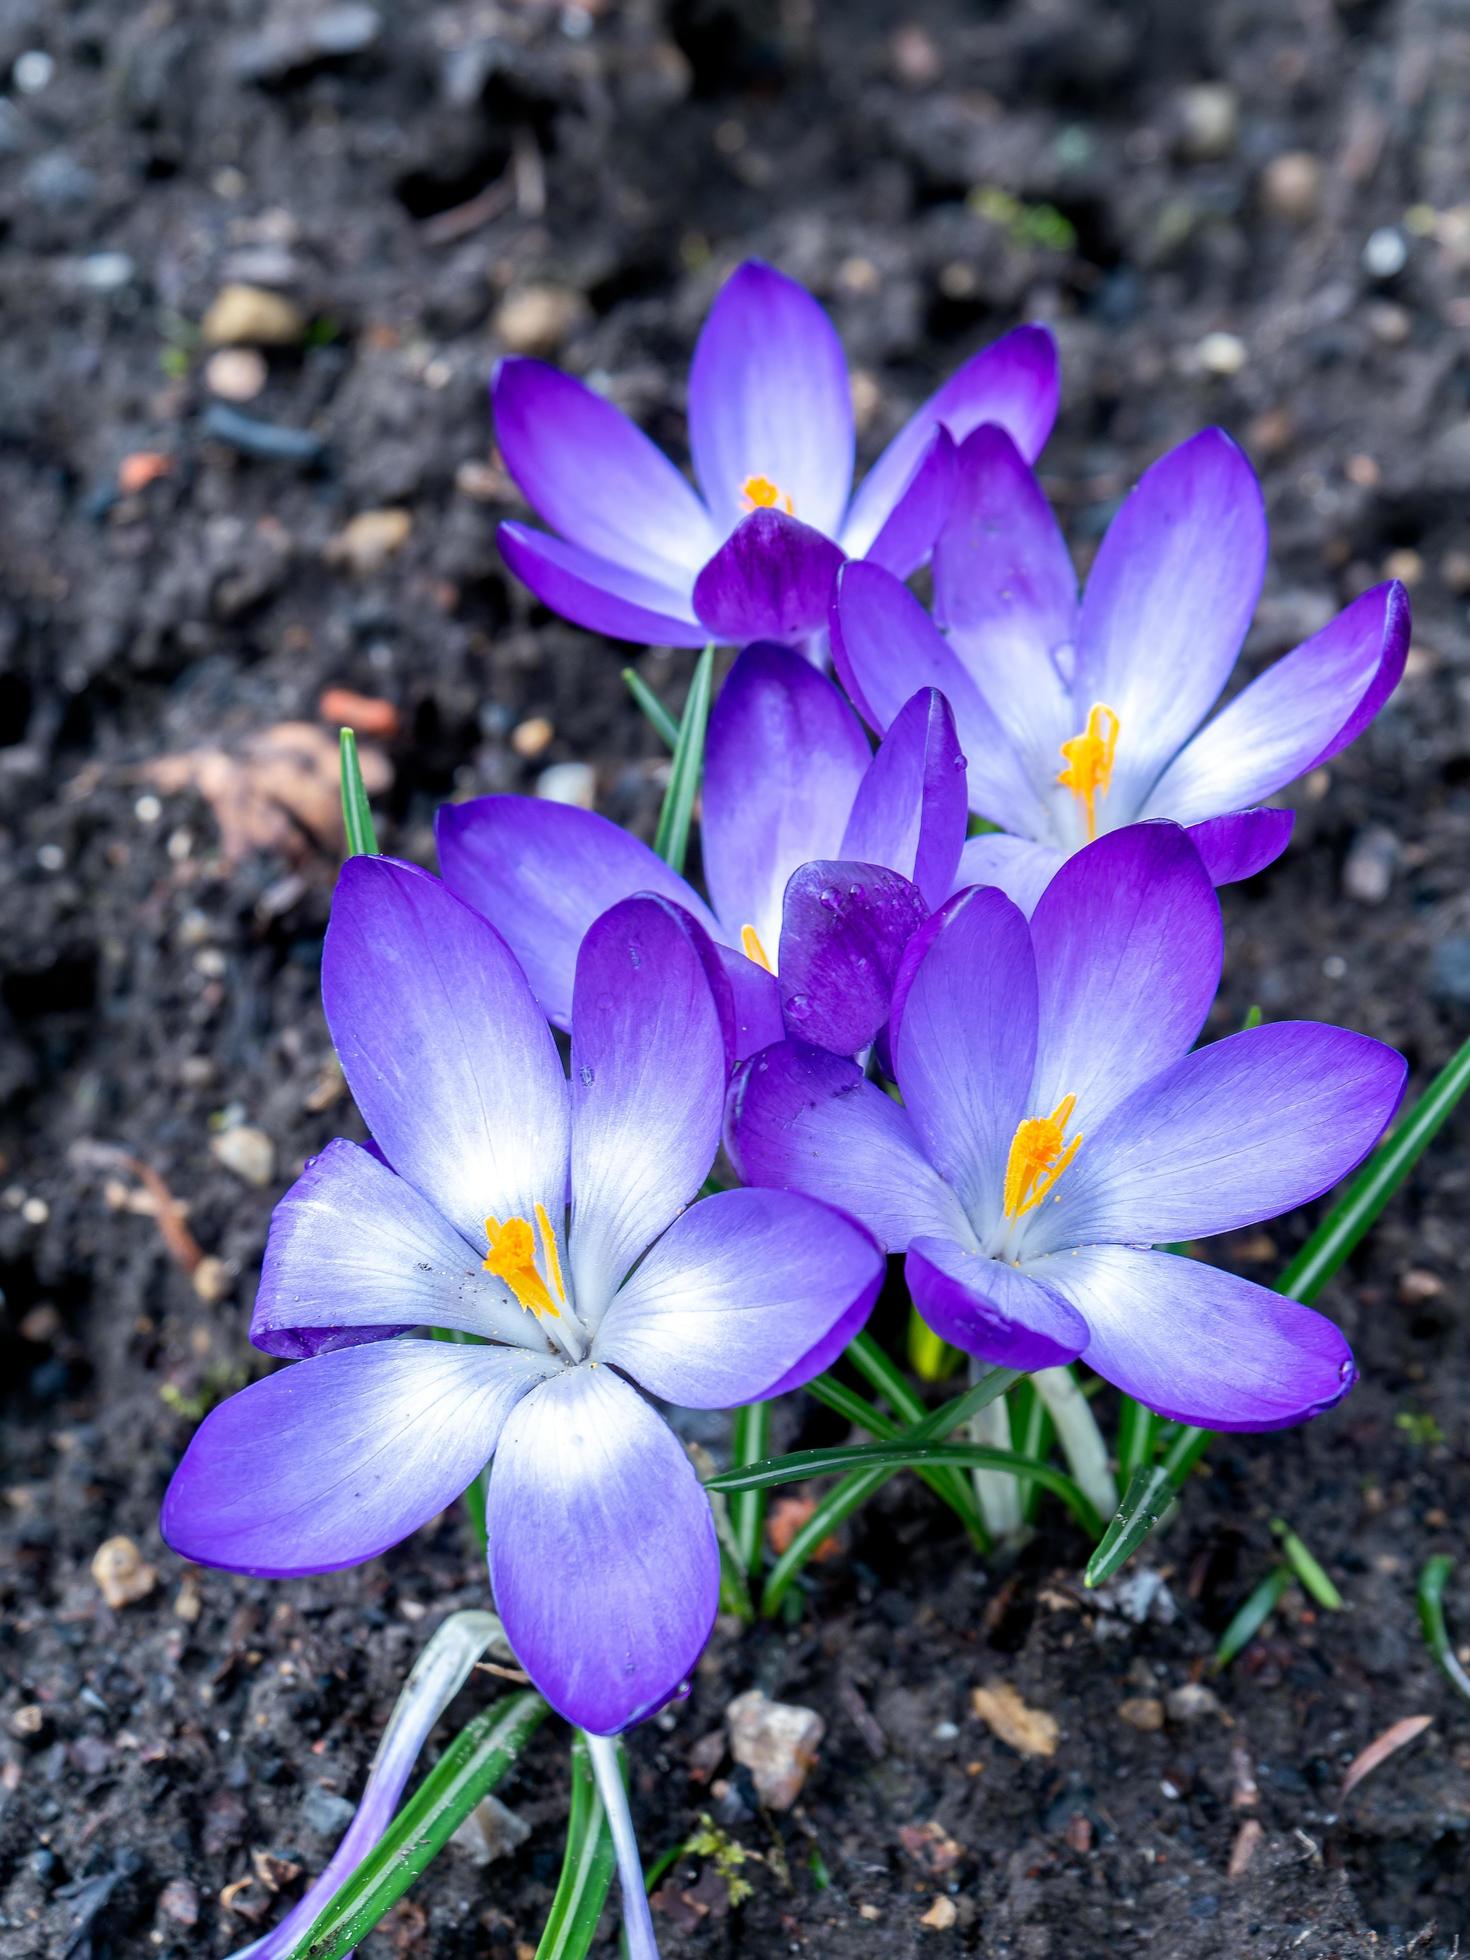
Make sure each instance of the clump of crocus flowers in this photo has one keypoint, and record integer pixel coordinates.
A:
(980, 1053)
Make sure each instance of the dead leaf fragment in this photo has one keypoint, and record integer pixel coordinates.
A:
(941, 1915)
(787, 1516)
(144, 466)
(1247, 1843)
(1144, 1712)
(340, 707)
(1030, 1731)
(1394, 1738)
(278, 789)
(366, 542)
(931, 1847)
(122, 1573)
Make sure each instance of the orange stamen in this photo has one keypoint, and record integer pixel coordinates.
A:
(750, 945)
(512, 1257)
(1089, 758)
(759, 493)
(1040, 1153)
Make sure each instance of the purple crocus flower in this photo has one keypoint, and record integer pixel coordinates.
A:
(1056, 1124)
(635, 553)
(820, 857)
(549, 1219)
(1078, 720)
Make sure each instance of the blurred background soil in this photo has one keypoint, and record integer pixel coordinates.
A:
(257, 266)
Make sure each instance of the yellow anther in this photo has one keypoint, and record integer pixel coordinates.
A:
(1089, 759)
(512, 1257)
(1040, 1152)
(750, 945)
(759, 493)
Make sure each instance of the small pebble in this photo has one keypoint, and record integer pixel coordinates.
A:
(1210, 113)
(1405, 565)
(1454, 569)
(35, 1211)
(777, 1742)
(326, 1813)
(32, 71)
(122, 1574)
(1368, 869)
(914, 57)
(27, 1721)
(538, 320)
(1191, 1702)
(1386, 253)
(532, 738)
(253, 316)
(106, 272)
(491, 1831)
(1418, 1287)
(366, 542)
(941, 1916)
(1291, 186)
(1389, 323)
(248, 1152)
(236, 374)
(568, 782)
(179, 1901)
(50, 857)
(1142, 1712)
(1222, 354)
(212, 1280)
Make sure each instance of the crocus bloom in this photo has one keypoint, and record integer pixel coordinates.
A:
(820, 858)
(1078, 720)
(548, 1218)
(635, 553)
(1056, 1125)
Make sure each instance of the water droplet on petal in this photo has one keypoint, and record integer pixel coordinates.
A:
(798, 1006)
(854, 891)
(830, 897)
(634, 953)
(586, 1075)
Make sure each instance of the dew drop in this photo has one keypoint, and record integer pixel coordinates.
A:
(830, 897)
(854, 891)
(586, 1075)
(635, 953)
(797, 1006)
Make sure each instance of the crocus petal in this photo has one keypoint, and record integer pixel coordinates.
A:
(443, 1046)
(1128, 949)
(756, 1001)
(800, 1119)
(356, 1254)
(1167, 604)
(1198, 1345)
(541, 872)
(736, 1294)
(650, 1058)
(918, 514)
(603, 596)
(596, 479)
(1006, 593)
(1014, 382)
(769, 397)
(770, 580)
(1301, 711)
(784, 759)
(602, 1550)
(885, 647)
(990, 1309)
(909, 812)
(333, 1460)
(843, 930)
(1238, 1131)
(1013, 865)
(965, 1042)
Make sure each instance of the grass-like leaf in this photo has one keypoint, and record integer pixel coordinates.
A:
(357, 814)
(750, 1442)
(1150, 1493)
(1306, 1567)
(586, 1870)
(671, 839)
(477, 1759)
(663, 722)
(1432, 1582)
(1253, 1615)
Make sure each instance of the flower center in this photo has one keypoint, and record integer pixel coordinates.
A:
(512, 1257)
(750, 945)
(1040, 1152)
(1089, 759)
(759, 493)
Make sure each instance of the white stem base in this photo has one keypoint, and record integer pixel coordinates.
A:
(637, 1919)
(996, 1492)
(1081, 1439)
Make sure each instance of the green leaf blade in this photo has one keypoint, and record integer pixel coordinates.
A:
(676, 818)
(357, 812)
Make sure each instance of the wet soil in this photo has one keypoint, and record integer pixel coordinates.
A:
(936, 172)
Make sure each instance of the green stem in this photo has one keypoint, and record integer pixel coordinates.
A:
(751, 1442)
(587, 1868)
(946, 1484)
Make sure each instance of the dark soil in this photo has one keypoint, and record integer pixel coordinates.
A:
(154, 991)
